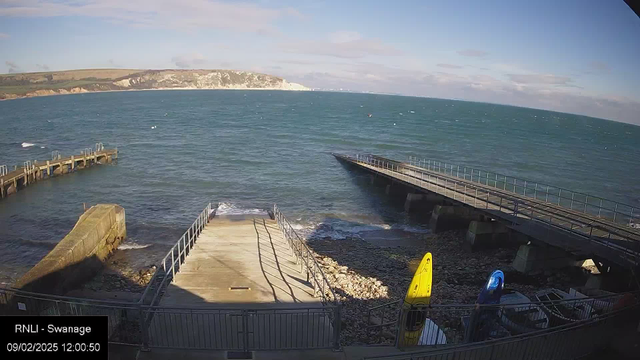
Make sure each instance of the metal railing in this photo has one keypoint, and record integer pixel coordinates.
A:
(304, 257)
(212, 328)
(589, 204)
(458, 324)
(3, 170)
(567, 341)
(145, 324)
(124, 323)
(171, 263)
(598, 232)
(243, 329)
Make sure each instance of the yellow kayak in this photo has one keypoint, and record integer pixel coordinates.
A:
(419, 293)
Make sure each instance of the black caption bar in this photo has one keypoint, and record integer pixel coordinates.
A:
(73, 337)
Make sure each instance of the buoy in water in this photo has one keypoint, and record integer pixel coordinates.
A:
(370, 115)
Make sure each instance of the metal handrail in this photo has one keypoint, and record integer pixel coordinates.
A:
(177, 255)
(573, 197)
(305, 256)
(602, 224)
(396, 168)
(530, 208)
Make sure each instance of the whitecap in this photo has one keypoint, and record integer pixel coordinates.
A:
(132, 246)
(27, 144)
(341, 230)
(226, 208)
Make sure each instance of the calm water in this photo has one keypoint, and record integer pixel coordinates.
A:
(252, 149)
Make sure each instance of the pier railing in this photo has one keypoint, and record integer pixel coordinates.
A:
(305, 257)
(171, 263)
(589, 204)
(599, 232)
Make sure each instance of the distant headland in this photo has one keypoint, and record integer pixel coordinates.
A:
(13, 86)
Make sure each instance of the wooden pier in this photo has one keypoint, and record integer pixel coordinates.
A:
(34, 171)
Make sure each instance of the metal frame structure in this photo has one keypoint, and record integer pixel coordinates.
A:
(170, 264)
(600, 234)
(304, 257)
(570, 341)
(482, 320)
(589, 204)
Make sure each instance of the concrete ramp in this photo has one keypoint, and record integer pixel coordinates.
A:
(240, 288)
(240, 262)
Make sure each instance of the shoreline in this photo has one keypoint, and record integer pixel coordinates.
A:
(84, 91)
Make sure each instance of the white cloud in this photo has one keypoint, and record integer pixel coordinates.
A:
(473, 53)
(175, 14)
(344, 36)
(449, 66)
(4, 36)
(189, 60)
(548, 79)
(346, 49)
(546, 91)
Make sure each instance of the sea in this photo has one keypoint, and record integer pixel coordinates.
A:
(248, 150)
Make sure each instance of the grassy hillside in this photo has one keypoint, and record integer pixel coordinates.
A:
(14, 86)
(20, 84)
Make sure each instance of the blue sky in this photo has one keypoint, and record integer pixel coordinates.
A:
(572, 56)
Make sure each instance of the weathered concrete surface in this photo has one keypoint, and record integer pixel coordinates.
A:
(234, 265)
(452, 217)
(482, 235)
(80, 254)
(234, 254)
(530, 258)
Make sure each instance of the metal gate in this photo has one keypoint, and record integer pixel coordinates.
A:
(242, 329)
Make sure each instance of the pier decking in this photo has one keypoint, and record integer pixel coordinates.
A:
(580, 232)
(34, 171)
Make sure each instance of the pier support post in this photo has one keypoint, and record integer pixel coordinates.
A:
(484, 235)
(412, 198)
(26, 176)
(13, 188)
(531, 258)
(48, 169)
(73, 163)
(2, 188)
(452, 217)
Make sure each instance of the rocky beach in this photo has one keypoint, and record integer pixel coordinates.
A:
(365, 275)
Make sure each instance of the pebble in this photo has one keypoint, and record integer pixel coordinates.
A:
(364, 275)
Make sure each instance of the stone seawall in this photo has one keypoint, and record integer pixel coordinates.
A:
(80, 254)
